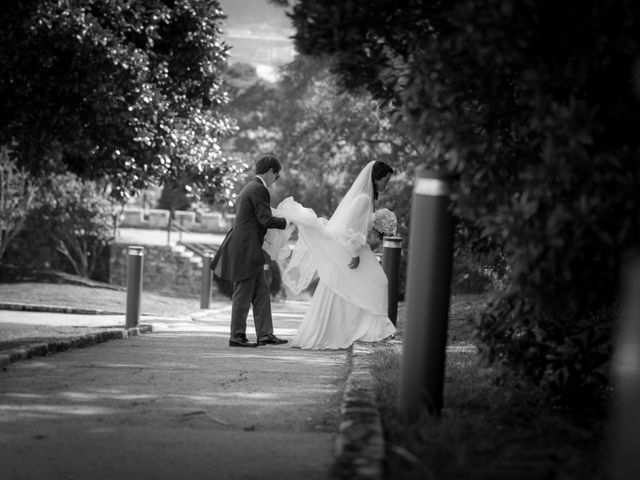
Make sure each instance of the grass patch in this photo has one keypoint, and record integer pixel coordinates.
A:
(108, 299)
(489, 428)
(50, 288)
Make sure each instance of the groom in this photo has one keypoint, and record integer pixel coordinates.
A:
(240, 258)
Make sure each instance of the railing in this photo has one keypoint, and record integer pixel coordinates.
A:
(195, 247)
(176, 227)
(199, 248)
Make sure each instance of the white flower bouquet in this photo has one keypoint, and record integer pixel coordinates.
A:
(385, 221)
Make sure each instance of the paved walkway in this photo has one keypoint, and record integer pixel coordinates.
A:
(176, 403)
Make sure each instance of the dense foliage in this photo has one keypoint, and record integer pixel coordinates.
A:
(68, 226)
(534, 106)
(324, 136)
(76, 214)
(328, 135)
(17, 193)
(127, 89)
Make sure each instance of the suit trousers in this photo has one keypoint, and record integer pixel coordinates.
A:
(254, 291)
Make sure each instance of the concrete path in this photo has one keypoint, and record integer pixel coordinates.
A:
(175, 403)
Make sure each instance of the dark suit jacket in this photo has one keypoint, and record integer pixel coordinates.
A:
(241, 255)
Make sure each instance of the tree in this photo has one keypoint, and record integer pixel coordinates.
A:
(252, 100)
(174, 196)
(75, 216)
(17, 193)
(326, 135)
(533, 105)
(127, 89)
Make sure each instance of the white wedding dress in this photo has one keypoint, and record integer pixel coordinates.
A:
(348, 304)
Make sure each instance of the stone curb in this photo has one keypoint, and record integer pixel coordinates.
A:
(45, 348)
(25, 307)
(360, 446)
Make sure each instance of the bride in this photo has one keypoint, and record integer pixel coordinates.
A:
(350, 301)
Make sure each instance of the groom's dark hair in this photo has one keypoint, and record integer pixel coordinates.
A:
(267, 162)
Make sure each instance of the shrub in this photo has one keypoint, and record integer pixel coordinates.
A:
(69, 226)
(567, 358)
(17, 193)
(534, 105)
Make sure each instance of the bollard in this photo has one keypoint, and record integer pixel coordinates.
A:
(391, 248)
(427, 296)
(626, 375)
(134, 285)
(207, 273)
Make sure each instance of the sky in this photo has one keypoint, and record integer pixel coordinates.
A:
(258, 33)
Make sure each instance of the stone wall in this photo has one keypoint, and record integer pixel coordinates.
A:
(163, 271)
(213, 222)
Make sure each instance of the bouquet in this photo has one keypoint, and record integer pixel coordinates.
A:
(385, 221)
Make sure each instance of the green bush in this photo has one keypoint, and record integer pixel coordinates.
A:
(534, 106)
(568, 359)
(68, 227)
(17, 194)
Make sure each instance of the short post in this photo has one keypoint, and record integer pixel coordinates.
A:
(626, 374)
(391, 249)
(205, 290)
(427, 296)
(134, 285)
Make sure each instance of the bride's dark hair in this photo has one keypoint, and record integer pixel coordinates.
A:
(379, 170)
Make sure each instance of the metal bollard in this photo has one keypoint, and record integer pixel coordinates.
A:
(391, 249)
(427, 296)
(207, 274)
(626, 374)
(134, 285)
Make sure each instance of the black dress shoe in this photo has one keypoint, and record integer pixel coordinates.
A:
(271, 339)
(241, 341)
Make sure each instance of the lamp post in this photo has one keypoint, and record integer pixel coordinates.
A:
(626, 377)
(134, 285)
(205, 289)
(391, 249)
(427, 296)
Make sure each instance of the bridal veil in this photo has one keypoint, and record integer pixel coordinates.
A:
(325, 247)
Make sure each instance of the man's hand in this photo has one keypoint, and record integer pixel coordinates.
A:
(355, 261)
